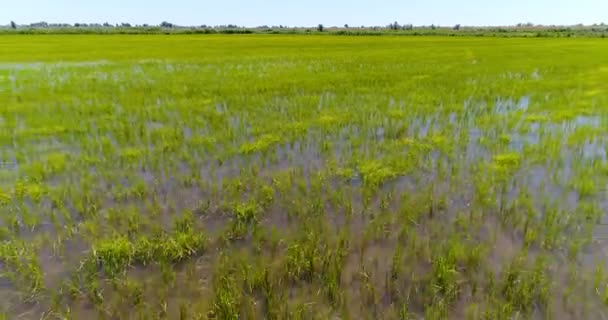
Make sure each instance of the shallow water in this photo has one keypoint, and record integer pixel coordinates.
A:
(443, 160)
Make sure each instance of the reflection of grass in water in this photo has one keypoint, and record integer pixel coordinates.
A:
(254, 180)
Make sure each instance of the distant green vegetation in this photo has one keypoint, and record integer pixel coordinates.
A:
(303, 177)
(166, 28)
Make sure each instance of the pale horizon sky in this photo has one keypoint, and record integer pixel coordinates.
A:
(307, 13)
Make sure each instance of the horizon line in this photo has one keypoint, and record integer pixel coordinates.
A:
(230, 25)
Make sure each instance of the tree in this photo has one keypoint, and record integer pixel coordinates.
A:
(457, 27)
(346, 26)
(13, 25)
(166, 24)
(320, 28)
(394, 26)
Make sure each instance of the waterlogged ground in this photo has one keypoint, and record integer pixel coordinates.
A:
(303, 177)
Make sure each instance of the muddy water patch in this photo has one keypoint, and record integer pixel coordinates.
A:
(507, 105)
(500, 105)
(9, 166)
(544, 123)
(592, 121)
(518, 141)
(593, 150)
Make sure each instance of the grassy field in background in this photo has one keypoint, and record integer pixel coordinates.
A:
(302, 177)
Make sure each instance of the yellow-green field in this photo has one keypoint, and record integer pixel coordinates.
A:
(302, 177)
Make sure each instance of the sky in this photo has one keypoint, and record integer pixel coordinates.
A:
(307, 13)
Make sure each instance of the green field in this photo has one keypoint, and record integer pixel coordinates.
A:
(302, 177)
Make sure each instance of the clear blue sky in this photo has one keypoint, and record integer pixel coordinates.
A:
(307, 13)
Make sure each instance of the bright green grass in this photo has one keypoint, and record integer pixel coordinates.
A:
(301, 177)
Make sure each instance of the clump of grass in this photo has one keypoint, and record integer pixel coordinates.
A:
(115, 254)
(5, 197)
(507, 160)
(21, 265)
(523, 289)
(261, 144)
(374, 173)
(33, 191)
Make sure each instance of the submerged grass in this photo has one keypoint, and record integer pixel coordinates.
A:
(302, 177)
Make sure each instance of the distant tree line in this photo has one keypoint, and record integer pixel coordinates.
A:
(320, 27)
(163, 24)
(396, 26)
(527, 29)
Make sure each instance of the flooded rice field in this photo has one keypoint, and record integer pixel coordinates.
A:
(327, 178)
